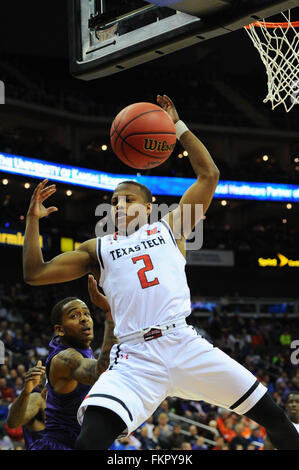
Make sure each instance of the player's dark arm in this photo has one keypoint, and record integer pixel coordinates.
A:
(268, 444)
(27, 405)
(207, 173)
(207, 177)
(24, 409)
(71, 365)
(109, 340)
(62, 268)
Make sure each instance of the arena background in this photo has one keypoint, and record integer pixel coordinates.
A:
(249, 310)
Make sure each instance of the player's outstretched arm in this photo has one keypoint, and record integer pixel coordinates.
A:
(65, 267)
(207, 173)
(28, 404)
(109, 339)
(268, 444)
(70, 365)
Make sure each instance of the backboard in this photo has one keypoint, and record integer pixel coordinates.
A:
(108, 36)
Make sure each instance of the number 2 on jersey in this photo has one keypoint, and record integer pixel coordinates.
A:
(141, 273)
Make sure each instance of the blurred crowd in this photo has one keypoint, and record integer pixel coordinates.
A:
(263, 346)
(40, 145)
(209, 107)
(200, 104)
(260, 239)
(202, 101)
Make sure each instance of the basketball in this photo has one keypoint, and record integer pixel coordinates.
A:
(143, 135)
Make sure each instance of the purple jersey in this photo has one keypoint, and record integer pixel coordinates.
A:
(30, 437)
(62, 427)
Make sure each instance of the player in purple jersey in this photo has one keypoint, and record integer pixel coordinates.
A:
(71, 370)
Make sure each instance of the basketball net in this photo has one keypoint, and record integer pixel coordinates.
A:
(278, 46)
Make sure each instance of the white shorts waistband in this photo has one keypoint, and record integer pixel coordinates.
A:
(153, 332)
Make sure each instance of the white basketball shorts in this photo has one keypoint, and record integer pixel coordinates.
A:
(181, 364)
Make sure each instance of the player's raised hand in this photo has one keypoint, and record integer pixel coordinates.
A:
(166, 103)
(40, 194)
(33, 376)
(95, 295)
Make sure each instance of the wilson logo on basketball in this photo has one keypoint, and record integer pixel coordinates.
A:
(157, 145)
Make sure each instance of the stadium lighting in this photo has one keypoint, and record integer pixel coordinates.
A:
(160, 185)
(27, 185)
(289, 206)
(265, 158)
(185, 153)
(296, 160)
(284, 221)
(69, 192)
(104, 147)
(223, 202)
(180, 155)
(5, 182)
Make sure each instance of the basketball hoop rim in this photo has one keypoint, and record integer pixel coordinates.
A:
(267, 24)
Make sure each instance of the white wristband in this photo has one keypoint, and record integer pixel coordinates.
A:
(181, 128)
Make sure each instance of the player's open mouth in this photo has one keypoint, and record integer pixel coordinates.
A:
(86, 330)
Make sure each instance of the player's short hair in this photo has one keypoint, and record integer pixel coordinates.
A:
(56, 312)
(292, 392)
(146, 192)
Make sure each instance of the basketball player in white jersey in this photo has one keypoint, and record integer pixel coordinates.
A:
(142, 273)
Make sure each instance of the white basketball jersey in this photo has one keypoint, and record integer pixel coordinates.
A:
(143, 277)
(296, 426)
